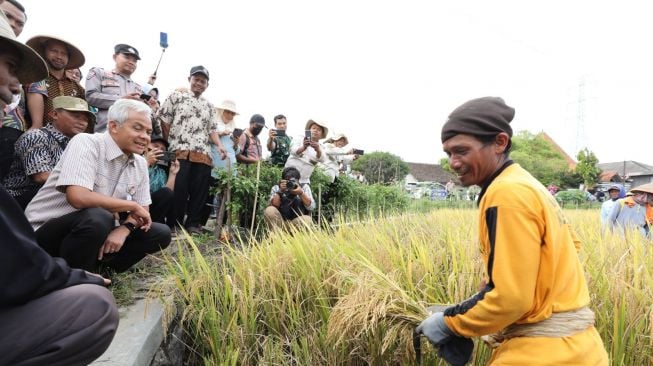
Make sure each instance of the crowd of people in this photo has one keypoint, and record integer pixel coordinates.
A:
(95, 178)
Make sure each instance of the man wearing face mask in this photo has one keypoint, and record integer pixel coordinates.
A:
(250, 145)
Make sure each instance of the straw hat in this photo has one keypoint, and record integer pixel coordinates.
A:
(75, 56)
(312, 122)
(228, 105)
(337, 137)
(646, 188)
(31, 67)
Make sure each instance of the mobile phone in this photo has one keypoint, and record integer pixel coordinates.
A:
(165, 158)
(280, 132)
(358, 152)
(163, 39)
(237, 132)
(146, 97)
(307, 134)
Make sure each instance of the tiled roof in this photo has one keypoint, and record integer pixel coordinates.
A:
(430, 173)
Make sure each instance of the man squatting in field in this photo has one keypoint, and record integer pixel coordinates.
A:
(534, 299)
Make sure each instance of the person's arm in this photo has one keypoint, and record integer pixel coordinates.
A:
(271, 141)
(215, 139)
(172, 174)
(275, 198)
(511, 238)
(240, 157)
(307, 197)
(35, 97)
(40, 178)
(26, 271)
(164, 116)
(94, 91)
(35, 152)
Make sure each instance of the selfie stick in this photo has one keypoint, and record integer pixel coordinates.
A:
(163, 42)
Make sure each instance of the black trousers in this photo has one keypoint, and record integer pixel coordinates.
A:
(71, 326)
(191, 191)
(8, 138)
(78, 236)
(162, 208)
(208, 206)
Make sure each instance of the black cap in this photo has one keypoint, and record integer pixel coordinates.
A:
(158, 137)
(484, 117)
(126, 49)
(258, 119)
(199, 70)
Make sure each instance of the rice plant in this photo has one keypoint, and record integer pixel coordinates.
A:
(353, 296)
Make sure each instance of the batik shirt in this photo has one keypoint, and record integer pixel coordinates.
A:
(37, 151)
(58, 88)
(191, 120)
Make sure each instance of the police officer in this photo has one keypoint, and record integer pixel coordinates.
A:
(103, 88)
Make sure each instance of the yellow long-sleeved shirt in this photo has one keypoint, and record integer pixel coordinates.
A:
(530, 252)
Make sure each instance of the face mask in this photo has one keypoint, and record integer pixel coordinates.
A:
(256, 130)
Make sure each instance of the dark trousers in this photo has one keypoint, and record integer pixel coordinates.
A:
(8, 138)
(191, 190)
(162, 208)
(78, 236)
(208, 206)
(71, 326)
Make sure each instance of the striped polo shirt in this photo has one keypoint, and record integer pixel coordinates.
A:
(95, 162)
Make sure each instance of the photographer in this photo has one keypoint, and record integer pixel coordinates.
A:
(291, 203)
(163, 169)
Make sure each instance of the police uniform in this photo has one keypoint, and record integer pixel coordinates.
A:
(103, 88)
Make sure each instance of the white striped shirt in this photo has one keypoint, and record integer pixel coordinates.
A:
(95, 162)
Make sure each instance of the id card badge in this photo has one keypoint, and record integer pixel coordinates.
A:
(131, 191)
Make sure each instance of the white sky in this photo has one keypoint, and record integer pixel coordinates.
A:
(387, 73)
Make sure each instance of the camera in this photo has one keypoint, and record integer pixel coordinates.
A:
(291, 184)
(358, 152)
(280, 132)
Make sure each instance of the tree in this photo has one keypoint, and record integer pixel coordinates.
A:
(381, 167)
(536, 155)
(587, 168)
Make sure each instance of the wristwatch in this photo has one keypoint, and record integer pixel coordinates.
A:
(130, 226)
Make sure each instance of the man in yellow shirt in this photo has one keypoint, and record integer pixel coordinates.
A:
(534, 301)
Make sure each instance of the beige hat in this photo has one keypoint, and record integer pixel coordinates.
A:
(228, 105)
(646, 188)
(72, 104)
(75, 56)
(337, 137)
(321, 124)
(31, 67)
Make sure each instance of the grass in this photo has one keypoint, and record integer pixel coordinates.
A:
(353, 296)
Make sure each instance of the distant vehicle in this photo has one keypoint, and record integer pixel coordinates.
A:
(431, 190)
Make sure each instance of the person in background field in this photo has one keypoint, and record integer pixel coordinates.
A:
(189, 123)
(306, 153)
(38, 151)
(290, 202)
(59, 55)
(94, 207)
(13, 122)
(606, 208)
(103, 88)
(74, 75)
(634, 211)
(226, 112)
(338, 155)
(533, 303)
(249, 143)
(162, 181)
(50, 314)
(279, 145)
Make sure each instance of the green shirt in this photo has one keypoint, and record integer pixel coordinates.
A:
(281, 150)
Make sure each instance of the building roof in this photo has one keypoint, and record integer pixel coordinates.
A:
(570, 162)
(629, 167)
(430, 173)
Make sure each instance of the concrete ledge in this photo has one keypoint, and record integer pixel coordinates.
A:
(139, 335)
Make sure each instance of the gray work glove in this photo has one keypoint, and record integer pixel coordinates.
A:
(435, 329)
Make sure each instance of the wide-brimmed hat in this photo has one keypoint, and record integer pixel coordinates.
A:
(75, 56)
(73, 104)
(228, 105)
(646, 188)
(337, 137)
(311, 122)
(31, 67)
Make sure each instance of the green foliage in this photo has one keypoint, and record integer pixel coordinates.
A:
(347, 197)
(536, 155)
(571, 196)
(444, 163)
(381, 167)
(587, 168)
(569, 179)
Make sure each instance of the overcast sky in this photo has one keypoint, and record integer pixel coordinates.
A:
(387, 73)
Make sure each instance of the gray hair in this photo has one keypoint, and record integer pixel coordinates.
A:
(119, 111)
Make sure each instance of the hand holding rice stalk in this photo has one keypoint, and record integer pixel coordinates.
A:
(376, 311)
